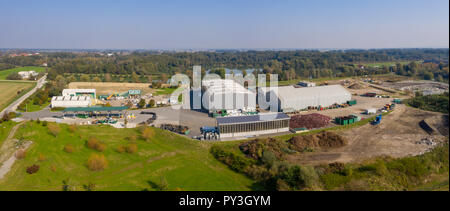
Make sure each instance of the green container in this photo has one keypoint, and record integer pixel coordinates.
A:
(351, 121)
(352, 102)
(338, 120)
(344, 122)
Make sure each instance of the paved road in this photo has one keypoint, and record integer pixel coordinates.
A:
(13, 106)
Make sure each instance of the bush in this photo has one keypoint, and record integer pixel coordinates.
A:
(33, 169)
(131, 148)
(21, 154)
(42, 157)
(236, 162)
(147, 133)
(44, 123)
(72, 128)
(54, 129)
(95, 144)
(97, 162)
(69, 148)
(120, 149)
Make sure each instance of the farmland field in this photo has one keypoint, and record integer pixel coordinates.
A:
(184, 164)
(106, 88)
(5, 73)
(9, 91)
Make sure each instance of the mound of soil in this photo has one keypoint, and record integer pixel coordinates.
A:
(356, 86)
(309, 121)
(322, 140)
(255, 148)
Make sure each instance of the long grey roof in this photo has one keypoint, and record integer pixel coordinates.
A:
(252, 118)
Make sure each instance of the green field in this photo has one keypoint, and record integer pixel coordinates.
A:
(388, 64)
(185, 164)
(5, 73)
(9, 89)
(5, 127)
(164, 91)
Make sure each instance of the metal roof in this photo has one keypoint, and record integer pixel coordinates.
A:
(252, 118)
(91, 109)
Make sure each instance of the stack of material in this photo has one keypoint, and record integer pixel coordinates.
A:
(175, 128)
(324, 140)
(309, 121)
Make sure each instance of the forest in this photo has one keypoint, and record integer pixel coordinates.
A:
(425, 64)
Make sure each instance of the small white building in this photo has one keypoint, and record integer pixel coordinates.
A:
(70, 101)
(27, 74)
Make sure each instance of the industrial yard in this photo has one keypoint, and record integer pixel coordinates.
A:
(399, 135)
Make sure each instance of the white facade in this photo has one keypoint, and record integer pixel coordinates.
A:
(69, 101)
(27, 74)
(289, 98)
(79, 92)
(221, 94)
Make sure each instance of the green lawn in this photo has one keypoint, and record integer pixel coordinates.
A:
(5, 73)
(185, 164)
(5, 127)
(31, 107)
(164, 91)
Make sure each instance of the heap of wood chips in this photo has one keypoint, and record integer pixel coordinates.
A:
(309, 121)
(323, 140)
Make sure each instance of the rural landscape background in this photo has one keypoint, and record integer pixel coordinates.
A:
(390, 58)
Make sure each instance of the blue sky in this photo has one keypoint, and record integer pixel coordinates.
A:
(180, 24)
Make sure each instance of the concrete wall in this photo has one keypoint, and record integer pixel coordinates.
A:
(254, 133)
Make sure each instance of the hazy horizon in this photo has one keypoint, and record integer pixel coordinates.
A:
(202, 24)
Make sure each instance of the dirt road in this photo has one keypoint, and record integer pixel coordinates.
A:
(7, 151)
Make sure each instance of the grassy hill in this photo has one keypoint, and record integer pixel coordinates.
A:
(5, 73)
(181, 163)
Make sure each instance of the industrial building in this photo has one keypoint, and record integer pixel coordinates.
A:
(70, 101)
(227, 95)
(290, 98)
(245, 126)
(80, 92)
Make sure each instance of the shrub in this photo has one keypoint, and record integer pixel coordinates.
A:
(120, 149)
(54, 129)
(21, 154)
(95, 144)
(44, 123)
(33, 169)
(72, 128)
(131, 148)
(97, 162)
(236, 162)
(53, 168)
(147, 133)
(69, 148)
(42, 157)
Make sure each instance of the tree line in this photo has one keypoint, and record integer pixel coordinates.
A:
(287, 64)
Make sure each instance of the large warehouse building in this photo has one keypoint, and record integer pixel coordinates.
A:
(245, 126)
(290, 98)
(227, 95)
(70, 101)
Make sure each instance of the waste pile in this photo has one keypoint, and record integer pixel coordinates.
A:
(176, 128)
(309, 121)
(321, 140)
